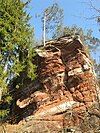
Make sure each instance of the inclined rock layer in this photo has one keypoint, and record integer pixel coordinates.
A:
(66, 73)
(68, 85)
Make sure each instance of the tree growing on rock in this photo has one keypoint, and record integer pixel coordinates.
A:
(51, 19)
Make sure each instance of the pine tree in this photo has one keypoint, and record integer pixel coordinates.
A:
(16, 47)
(53, 16)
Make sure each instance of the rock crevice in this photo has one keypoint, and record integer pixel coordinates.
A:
(68, 83)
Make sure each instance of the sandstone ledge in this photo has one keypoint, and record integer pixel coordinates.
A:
(69, 94)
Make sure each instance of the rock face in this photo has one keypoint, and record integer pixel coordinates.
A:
(69, 92)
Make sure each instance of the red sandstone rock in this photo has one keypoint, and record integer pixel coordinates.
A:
(68, 81)
(78, 96)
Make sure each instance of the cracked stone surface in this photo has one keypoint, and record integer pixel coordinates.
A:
(69, 94)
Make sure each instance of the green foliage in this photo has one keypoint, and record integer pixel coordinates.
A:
(86, 36)
(31, 70)
(16, 44)
(3, 114)
(5, 106)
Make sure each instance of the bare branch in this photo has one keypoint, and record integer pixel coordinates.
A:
(93, 7)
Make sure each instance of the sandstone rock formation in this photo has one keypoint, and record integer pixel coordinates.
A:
(68, 92)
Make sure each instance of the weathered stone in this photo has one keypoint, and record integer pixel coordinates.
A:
(55, 108)
(68, 84)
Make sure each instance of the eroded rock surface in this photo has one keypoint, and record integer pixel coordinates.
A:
(69, 92)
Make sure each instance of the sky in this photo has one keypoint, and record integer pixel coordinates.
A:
(76, 12)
